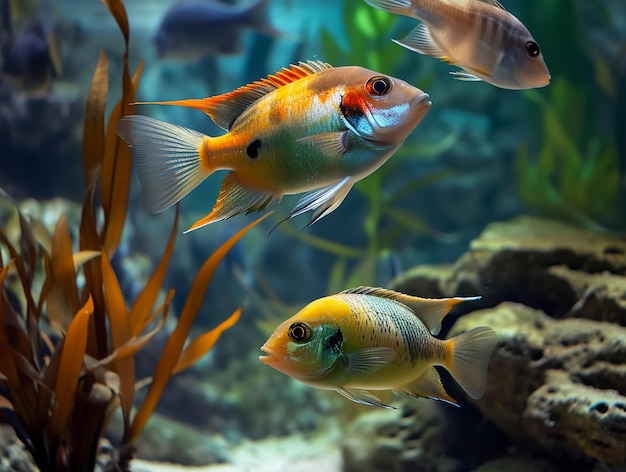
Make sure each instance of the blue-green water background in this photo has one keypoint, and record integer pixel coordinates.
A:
(481, 154)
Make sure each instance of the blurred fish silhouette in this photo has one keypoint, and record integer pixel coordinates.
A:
(32, 57)
(193, 29)
(307, 128)
(479, 36)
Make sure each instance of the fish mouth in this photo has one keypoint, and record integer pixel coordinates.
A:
(269, 357)
(422, 99)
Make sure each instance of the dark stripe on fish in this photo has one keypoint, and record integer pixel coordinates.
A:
(351, 107)
(334, 342)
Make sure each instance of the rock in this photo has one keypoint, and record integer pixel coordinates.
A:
(525, 260)
(518, 464)
(412, 437)
(568, 416)
(559, 385)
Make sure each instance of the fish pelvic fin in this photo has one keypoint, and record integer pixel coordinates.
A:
(166, 157)
(324, 201)
(364, 397)
(462, 75)
(428, 385)
(431, 311)
(468, 357)
(235, 198)
(420, 40)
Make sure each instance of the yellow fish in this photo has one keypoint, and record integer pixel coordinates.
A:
(308, 128)
(479, 36)
(366, 339)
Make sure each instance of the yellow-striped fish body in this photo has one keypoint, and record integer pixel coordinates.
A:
(309, 128)
(366, 339)
(479, 36)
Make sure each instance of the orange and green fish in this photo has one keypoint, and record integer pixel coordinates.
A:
(368, 339)
(479, 36)
(307, 128)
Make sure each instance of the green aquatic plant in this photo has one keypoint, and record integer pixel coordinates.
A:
(67, 353)
(575, 174)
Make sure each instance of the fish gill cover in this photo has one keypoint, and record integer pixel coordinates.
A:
(67, 351)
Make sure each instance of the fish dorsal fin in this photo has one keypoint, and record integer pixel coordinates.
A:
(495, 3)
(224, 109)
(431, 311)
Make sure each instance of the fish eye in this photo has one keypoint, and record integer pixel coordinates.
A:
(532, 48)
(299, 332)
(378, 85)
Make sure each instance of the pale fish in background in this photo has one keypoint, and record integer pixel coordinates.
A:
(479, 36)
(366, 339)
(308, 128)
(193, 29)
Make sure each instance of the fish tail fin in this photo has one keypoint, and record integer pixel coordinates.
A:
(468, 357)
(167, 158)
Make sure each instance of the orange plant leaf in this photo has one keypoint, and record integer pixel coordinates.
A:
(116, 167)
(70, 366)
(140, 312)
(62, 300)
(176, 341)
(120, 334)
(117, 9)
(7, 364)
(203, 343)
(93, 132)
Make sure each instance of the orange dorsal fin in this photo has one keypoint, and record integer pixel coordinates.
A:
(225, 108)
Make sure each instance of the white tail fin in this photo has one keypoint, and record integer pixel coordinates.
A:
(470, 353)
(166, 157)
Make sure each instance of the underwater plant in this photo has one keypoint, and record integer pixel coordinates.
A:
(67, 352)
(575, 174)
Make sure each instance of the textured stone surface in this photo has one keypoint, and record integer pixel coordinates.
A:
(556, 384)
(540, 263)
(556, 295)
(413, 437)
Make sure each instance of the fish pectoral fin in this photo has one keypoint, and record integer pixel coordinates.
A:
(235, 198)
(431, 311)
(364, 397)
(420, 40)
(367, 361)
(333, 144)
(324, 200)
(166, 157)
(462, 75)
(427, 385)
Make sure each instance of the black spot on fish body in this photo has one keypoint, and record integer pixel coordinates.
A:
(252, 149)
(334, 342)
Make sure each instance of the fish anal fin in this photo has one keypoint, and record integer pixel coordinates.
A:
(468, 358)
(368, 360)
(235, 198)
(431, 311)
(428, 385)
(333, 144)
(364, 397)
(324, 200)
(420, 40)
(224, 109)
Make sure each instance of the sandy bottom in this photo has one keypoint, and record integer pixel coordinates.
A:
(293, 454)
